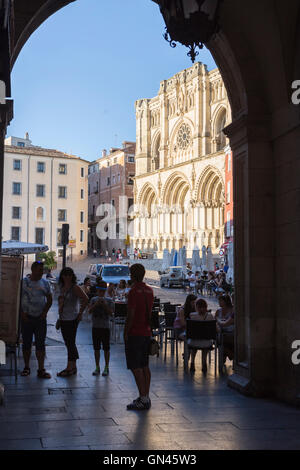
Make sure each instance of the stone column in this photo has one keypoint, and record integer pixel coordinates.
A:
(6, 115)
(209, 210)
(167, 223)
(164, 126)
(254, 216)
(202, 216)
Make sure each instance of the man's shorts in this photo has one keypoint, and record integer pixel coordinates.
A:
(101, 336)
(38, 328)
(137, 352)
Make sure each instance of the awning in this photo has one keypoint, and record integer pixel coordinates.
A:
(225, 246)
(12, 247)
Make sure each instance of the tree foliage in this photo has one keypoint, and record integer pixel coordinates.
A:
(48, 259)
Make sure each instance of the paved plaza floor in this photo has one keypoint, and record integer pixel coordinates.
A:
(188, 412)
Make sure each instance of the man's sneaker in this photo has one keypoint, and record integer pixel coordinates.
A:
(96, 371)
(138, 404)
(147, 404)
(105, 372)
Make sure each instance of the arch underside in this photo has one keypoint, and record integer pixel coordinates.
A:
(29, 15)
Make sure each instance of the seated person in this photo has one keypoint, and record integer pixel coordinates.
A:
(225, 324)
(197, 280)
(121, 289)
(201, 282)
(201, 314)
(128, 287)
(220, 283)
(111, 292)
(182, 314)
(211, 281)
(49, 275)
(192, 281)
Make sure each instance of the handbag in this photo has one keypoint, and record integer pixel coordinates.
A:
(154, 347)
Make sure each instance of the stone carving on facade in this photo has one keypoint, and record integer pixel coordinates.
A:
(193, 177)
(201, 175)
(184, 136)
(182, 102)
(159, 185)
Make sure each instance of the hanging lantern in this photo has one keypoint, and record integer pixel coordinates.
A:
(190, 22)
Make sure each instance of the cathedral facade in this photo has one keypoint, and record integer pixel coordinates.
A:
(179, 190)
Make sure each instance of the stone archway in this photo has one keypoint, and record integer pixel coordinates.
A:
(264, 125)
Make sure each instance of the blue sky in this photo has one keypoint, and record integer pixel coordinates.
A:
(76, 80)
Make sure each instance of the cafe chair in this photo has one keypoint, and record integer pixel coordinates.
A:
(119, 319)
(169, 333)
(200, 330)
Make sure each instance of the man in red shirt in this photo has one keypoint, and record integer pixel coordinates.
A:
(137, 335)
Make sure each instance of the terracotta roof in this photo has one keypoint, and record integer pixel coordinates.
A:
(40, 151)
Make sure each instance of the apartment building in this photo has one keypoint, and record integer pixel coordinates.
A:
(43, 189)
(111, 181)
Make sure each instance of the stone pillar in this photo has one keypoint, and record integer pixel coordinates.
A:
(164, 126)
(143, 158)
(167, 223)
(6, 115)
(254, 216)
(202, 216)
(197, 143)
(217, 222)
(205, 113)
(209, 210)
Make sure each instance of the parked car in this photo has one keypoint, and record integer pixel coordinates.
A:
(173, 276)
(114, 273)
(94, 272)
(146, 255)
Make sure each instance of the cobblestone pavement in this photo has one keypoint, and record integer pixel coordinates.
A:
(188, 412)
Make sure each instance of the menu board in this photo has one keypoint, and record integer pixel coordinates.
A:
(10, 290)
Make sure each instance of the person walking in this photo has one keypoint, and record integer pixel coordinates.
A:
(137, 335)
(101, 309)
(86, 287)
(72, 301)
(35, 304)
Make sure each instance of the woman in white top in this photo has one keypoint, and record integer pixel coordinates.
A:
(201, 314)
(121, 289)
(110, 291)
(72, 301)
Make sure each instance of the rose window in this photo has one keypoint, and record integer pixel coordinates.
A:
(184, 137)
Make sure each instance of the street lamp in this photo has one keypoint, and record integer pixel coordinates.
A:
(190, 22)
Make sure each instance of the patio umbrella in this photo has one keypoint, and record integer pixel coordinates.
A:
(204, 260)
(180, 257)
(175, 258)
(230, 272)
(196, 262)
(184, 257)
(166, 260)
(210, 260)
(172, 254)
(12, 247)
